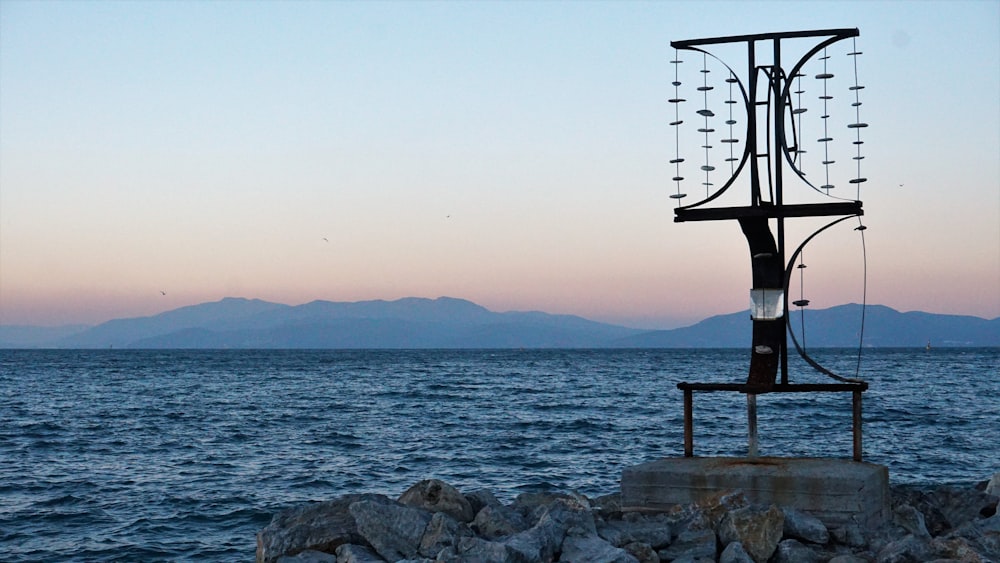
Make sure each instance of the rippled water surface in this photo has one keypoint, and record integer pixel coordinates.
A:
(185, 455)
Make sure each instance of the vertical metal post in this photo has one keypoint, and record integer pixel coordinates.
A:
(688, 424)
(857, 425)
(751, 425)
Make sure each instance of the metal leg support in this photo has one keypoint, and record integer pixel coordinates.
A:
(688, 424)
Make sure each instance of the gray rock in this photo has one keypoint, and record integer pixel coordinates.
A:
(534, 505)
(910, 549)
(434, 495)
(318, 526)
(393, 530)
(734, 553)
(593, 549)
(478, 550)
(643, 552)
(497, 521)
(693, 543)
(993, 487)
(850, 535)
(441, 532)
(351, 553)
(653, 530)
(794, 551)
(912, 520)
(481, 498)
(309, 556)
(758, 529)
(608, 504)
(542, 541)
(804, 526)
(848, 558)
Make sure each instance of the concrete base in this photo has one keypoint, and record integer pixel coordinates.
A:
(836, 491)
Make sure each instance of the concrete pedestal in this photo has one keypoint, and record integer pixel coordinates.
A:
(836, 491)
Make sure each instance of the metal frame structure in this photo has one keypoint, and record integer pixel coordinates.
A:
(769, 351)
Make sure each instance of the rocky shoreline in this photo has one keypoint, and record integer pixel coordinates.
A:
(433, 522)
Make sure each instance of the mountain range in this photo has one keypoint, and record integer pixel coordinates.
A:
(447, 322)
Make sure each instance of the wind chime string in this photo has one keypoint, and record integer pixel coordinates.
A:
(858, 125)
(676, 124)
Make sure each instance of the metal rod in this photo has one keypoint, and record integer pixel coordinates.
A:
(857, 425)
(751, 425)
(688, 423)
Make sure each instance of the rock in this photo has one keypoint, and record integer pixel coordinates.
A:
(714, 508)
(608, 504)
(734, 553)
(434, 495)
(478, 550)
(393, 530)
(906, 550)
(850, 535)
(957, 548)
(794, 551)
(993, 487)
(350, 553)
(593, 549)
(310, 556)
(694, 543)
(534, 505)
(653, 530)
(643, 552)
(318, 526)
(848, 558)
(758, 529)
(481, 498)
(441, 532)
(540, 542)
(912, 520)
(493, 522)
(803, 526)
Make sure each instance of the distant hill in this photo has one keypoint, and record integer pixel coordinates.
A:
(456, 323)
(835, 327)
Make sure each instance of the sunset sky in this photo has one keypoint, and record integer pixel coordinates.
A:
(511, 153)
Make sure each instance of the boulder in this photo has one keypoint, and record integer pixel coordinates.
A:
(757, 528)
(441, 532)
(434, 495)
(912, 520)
(497, 521)
(906, 550)
(320, 526)
(804, 526)
(794, 551)
(542, 541)
(848, 558)
(643, 552)
(481, 498)
(351, 553)
(309, 556)
(850, 535)
(393, 530)
(734, 553)
(593, 549)
(993, 486)
(654, 530)
(478, 550)
(695, 543)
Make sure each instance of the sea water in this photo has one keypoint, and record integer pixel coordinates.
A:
(185, 455)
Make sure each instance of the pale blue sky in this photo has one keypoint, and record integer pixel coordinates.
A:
(511, 153)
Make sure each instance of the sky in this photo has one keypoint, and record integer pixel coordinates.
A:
(155, 155)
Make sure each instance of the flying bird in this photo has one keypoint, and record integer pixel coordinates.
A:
(163, 292)
(324, 239)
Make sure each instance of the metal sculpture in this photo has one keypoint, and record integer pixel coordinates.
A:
(769, 100)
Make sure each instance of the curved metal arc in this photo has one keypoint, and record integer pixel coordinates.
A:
(788, 275)
(746, 148)
(786, 94)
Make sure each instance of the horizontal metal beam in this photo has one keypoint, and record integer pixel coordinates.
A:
(683, 214)
(840, 32)
(776, 388)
